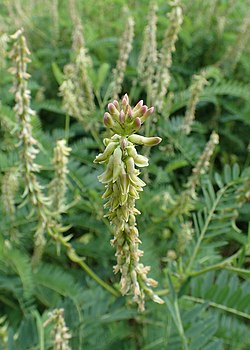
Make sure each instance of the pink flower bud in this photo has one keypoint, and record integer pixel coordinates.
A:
(130, 112)
(112, 108)
(122, 117)
(125, 100)
(147, 114)
(123, 143)
(142, 110)
(116, 104)
(108, 120)
(138, 106)
(137, 123)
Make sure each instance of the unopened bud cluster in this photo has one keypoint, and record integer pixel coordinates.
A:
(123, 185)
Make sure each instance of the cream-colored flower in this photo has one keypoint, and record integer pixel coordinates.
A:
(123, 185)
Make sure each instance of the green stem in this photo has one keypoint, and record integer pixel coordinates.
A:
(218, 306)
(8, 302)
(98, 280)
(163, 292)
(204, 229)
(238, 270)
(180, 326)
(66, 127)
(79, 261)
(222, 265)
(98, 97)
(177, 145)
(40, 329)
(207, 269)
(96, 138)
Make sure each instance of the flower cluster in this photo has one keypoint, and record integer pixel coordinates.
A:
(77, 35)
(184, 236)
(54, 11)
(234, 52)
(4, 39)
(162, 78)
(58, 184)
(9, 188)
(184, 202)
(124, 51)
(60, 333)
(148, 55)
(34, 192)
(123, 185)
(27, 143)
(77, 90)
(199, 81)
(202, 165)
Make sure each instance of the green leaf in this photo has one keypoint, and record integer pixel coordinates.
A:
(58, 74)
(102, 74)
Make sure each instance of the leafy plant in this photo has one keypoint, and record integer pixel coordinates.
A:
(57, 287)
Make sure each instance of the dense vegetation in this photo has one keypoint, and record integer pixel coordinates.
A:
(188, 59)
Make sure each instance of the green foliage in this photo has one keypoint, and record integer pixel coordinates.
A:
(197, 244)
